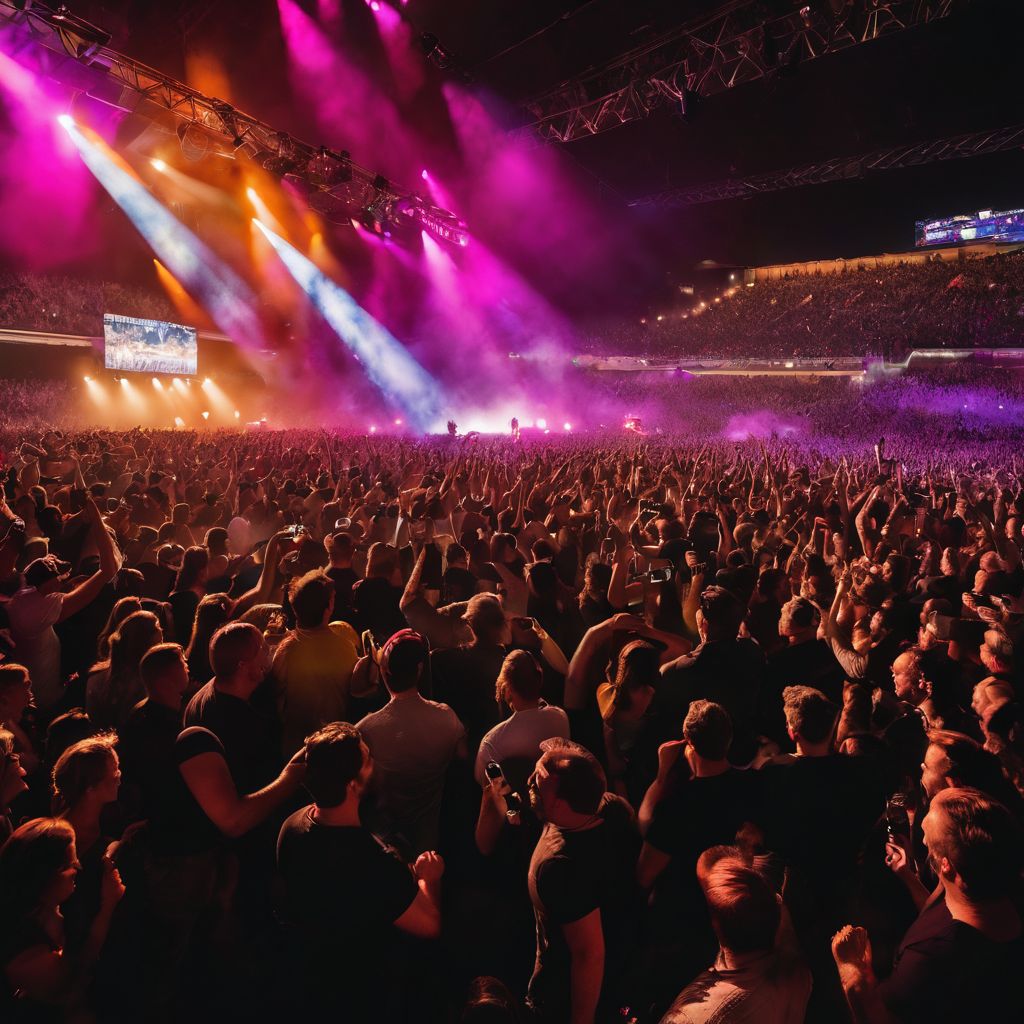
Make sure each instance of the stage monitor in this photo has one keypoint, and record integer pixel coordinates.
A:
(149, 346)
(983, 226)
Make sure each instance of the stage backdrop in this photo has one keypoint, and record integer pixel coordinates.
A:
(149, 346)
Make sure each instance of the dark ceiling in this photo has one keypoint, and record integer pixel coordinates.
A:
(955, 75)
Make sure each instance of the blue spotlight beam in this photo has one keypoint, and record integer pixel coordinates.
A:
(387, 362)
(226, 297)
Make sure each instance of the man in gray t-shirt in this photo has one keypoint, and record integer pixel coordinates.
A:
(412, 742)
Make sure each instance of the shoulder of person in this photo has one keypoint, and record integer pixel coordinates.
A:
(195, 740)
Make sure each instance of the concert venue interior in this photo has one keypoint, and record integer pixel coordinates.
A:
(558, 459)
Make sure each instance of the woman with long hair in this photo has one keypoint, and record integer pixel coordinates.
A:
(86, 779)
(623, 703)
(189, 589)
(213, 611)
(125, 607)
(38, 871)
(114, 686)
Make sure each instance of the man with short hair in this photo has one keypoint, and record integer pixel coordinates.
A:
(341, 551)
(581, 885)
(723, 668)
(963, 954)
(146, 743)
(347, 894)
(516, 741)
(313, 664)
(756, 974)
(697, 801)
(412, 741)
(819, 809)
(250, 734)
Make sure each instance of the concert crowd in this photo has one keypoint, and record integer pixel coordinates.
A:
(884, 311)
(591, 729)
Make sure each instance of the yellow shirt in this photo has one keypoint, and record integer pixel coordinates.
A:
(312, 669)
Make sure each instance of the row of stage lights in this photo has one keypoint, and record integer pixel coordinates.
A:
(176, 384)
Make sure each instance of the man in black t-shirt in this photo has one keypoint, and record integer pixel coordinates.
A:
(240, 660)
(146, 743)
(963, 955)
(697, 801)
(582, 886)
(341, 550)
(805, 661)
(348, 897)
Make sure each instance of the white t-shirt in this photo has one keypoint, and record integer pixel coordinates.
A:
(520, 736)
(36, 646)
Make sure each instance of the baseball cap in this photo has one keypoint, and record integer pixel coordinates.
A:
(170, 554)
(41, 570)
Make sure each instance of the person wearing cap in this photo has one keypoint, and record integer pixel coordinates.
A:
(38, 606)
(413, 741)
(582, 886)
(160, 575)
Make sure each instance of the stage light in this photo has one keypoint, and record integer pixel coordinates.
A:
(207, 381)
(732, 277)
(66, 121)
(373, 430)
(718, 298)
(660, 318)
(424, 175)
(178, 421)
(567, 426)
(385, 359)
(158, 384)
(88, 380)
(206, 415)
(398, 423)
(124, 382)
(374, 6)
(158, 165)
(238, 415)
(541, 424)
(230, 302)
(176, 381)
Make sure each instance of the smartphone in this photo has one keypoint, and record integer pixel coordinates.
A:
(662, 575)
(343, 523)
(295, 531)
(523, 621)
(512, 800)
(897, 820)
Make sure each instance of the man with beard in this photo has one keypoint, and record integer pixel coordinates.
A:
(349, 899)
(581, 884)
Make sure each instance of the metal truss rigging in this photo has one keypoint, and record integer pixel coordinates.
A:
(842, 168)
(735, 45)
(74, 53)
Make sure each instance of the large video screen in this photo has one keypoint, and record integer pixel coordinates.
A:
(148, 346)
(985, 225)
